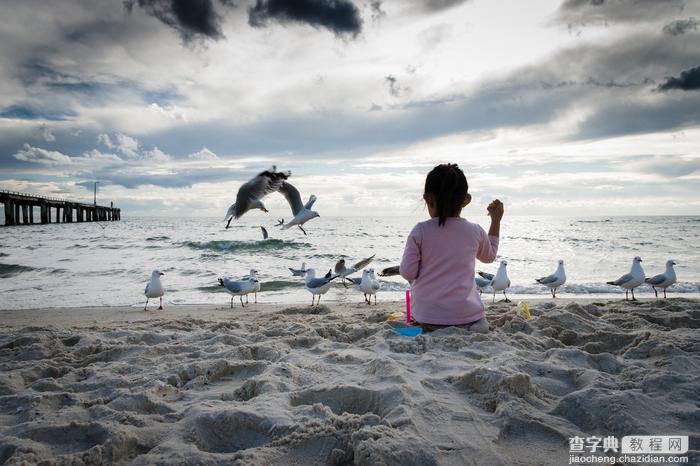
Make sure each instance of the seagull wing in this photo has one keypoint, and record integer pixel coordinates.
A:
(293, 197)
(482, 282)
(232, 286)
(264, 232)
(548, 279)
(390, 271)
(310, 202)
(487, 276)
(146, 290)
(623, 279)
(363, 263)
(260, 186)
(656, 279)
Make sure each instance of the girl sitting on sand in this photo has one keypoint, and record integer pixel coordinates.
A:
(439, 258)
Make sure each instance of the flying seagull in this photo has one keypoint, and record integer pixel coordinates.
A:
(632, 280)
(663, 280)
(302, 212)
(343, 271)
(154, 289)
(250, 194)
(554, 281)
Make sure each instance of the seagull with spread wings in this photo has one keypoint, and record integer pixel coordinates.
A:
(251, 193)
(302, 212)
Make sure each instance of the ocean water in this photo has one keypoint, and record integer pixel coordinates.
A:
(107, 264)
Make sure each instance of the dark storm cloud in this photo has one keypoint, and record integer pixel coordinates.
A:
(681, 26)
(437, 5)
(583, 12)
(689, 80)
(339, 16)
(192, 19)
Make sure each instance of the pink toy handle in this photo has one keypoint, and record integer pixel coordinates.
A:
(408, 305)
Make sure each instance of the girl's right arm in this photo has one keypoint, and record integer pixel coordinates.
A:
(410, 263)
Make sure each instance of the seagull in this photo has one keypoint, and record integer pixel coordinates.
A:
(250, 194)
(264, 233)
(499, 282)
(369, 285)
(302, 212)
(631, 280)
(482, 283)
(256, 285)
(154, 289)
(239, 287)
(318, 286)
(298, 272)
(390, 271)
(554, 281)
(663, 280)
(280, 222)
(343, 271)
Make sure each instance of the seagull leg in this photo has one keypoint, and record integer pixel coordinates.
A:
(145, 308)
(375, 299)
(318, 303)
(242, 305)
(160, 308)
(231, 302)
(664, 293)
(302, 229)
(494, 297)
(256, 298)
(504, 294)
(312, 300)
(229, 222)
(633, 298)
(626, 295)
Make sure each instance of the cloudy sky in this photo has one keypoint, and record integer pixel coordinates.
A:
(563, 107)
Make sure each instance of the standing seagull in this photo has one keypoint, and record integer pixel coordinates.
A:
(298, 272)
(302, 212)
(250, 194)
(256, 285)
(631, 280)
(154, 289)
(554, 281)
(239, 287)
(663, 280)
(369, 285)
(343, 271)
(318, 286)
(500, 281)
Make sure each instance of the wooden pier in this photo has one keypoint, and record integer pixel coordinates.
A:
(19, 210)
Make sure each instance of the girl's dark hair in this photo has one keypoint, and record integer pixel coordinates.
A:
(448, 186)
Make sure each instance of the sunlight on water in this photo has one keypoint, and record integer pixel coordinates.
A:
(86, 265)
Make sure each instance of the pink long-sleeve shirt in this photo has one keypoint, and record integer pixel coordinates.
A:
(439, 263)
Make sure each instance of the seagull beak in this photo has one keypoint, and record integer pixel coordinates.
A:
(162, 273)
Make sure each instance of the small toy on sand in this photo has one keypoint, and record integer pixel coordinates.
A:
(408, 331)
(522, 306)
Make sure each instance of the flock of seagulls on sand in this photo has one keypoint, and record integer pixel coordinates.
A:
(250, 196)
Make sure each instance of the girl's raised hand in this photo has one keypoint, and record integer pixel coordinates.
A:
(495, 210)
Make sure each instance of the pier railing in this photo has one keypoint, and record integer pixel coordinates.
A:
(19, 209)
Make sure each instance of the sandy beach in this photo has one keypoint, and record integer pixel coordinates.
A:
(274, 384)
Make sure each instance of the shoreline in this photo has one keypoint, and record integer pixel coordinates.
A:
(72, 315)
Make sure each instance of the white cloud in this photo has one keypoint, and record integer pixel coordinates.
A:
(41, 156)
(204, 154)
